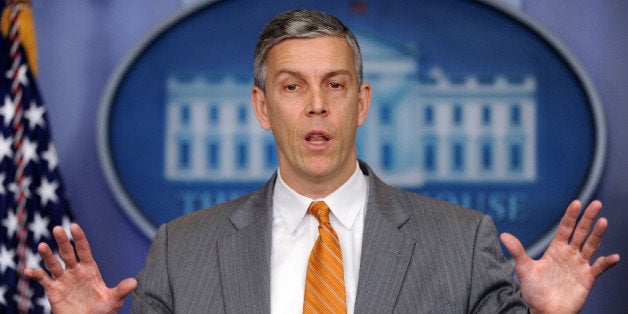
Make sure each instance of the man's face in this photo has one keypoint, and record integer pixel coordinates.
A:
(313, 105)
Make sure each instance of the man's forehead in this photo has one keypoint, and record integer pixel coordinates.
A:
(300, 43)
(320, 47)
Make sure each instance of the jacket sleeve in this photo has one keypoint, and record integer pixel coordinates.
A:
(153, 292)
(493, 288)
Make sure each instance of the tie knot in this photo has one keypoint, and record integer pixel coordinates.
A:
(320, 210)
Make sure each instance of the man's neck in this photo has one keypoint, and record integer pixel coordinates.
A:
(317, 187)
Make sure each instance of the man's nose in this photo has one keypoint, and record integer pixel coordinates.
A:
(318, 103)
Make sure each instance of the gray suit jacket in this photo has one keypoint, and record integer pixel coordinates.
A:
(419, 255)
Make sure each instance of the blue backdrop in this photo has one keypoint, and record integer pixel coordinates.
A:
(81, 43)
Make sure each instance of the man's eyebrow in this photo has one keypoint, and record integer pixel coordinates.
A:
(289, 72)
(326, 76)
(337, 72)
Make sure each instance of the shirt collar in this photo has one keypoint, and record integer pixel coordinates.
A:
(345, 203)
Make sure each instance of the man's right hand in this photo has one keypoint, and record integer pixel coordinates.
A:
(79, 288)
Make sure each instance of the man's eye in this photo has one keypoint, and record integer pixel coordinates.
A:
(292, 87)
(335, 85)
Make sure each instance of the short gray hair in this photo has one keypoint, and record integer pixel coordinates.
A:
(301, 23)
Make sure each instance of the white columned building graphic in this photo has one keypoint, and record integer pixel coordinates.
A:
(421, 128)
(212, 133)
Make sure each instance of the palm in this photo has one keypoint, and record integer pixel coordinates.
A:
(554, 277)
(560, 281)
(79, 288)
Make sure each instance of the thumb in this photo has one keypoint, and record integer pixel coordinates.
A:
(124, 288)
(515, 248)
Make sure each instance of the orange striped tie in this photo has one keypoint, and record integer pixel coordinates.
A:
(324, 282)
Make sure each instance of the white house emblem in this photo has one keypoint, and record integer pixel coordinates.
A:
(484, 110)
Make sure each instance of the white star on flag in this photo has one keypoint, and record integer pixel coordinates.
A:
(7, 110)
(5, 147)
(47, 191)
(30, 151)
(39, 227)
(33, 260)
(6, 259)
(35, 116)
(3, 291)
(10, 223)
(21, 75)
(27, 182)
(50, 156)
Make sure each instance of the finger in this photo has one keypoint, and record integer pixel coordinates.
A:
(50, 260)
(515, 248)
(124, 288)
(568, 222)
(66, 250)
(81, 244)
(592, 244)
(584, 225)
(38, 275)
(604, 263)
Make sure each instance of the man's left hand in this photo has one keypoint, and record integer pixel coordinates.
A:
(560, 281)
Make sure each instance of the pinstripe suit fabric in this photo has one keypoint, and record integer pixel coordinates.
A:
(419, 255)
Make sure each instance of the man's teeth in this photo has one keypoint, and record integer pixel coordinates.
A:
(317, 138)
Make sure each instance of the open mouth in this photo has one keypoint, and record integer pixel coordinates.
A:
(317, 138)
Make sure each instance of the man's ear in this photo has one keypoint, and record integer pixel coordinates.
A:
(364, 102)
(258, 100)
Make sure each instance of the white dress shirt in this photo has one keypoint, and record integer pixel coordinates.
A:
(294, 233)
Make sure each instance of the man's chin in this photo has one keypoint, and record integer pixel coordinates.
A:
(326, 168)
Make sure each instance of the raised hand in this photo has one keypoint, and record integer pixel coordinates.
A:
(79, 288)
(560, 281)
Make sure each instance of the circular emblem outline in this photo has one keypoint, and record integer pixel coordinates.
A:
(148, 228)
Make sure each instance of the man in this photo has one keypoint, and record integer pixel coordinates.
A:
(400, 252)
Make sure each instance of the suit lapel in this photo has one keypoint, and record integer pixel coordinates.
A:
(244, 256)
(386, 250)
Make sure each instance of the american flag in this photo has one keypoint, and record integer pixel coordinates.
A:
(32, 197)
